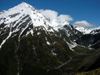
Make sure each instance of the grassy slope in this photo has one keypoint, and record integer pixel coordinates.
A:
(92, 72)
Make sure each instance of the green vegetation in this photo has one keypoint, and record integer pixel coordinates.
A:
(93, 72)
(32, 55)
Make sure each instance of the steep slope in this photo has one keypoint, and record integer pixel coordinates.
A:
(70, 35)
(91, 63)
(29, 45)
(90, 40)
(17, 20)
(90, 37)
(92, 72)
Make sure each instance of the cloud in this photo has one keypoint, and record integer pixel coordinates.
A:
(83, 24)
(53, 15)
(56, 19)
(49, 14)
(65, 17)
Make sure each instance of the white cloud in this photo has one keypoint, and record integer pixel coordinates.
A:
(53, 15)
(49, 14)
(83, 24)
(56, 19)
(65, 17)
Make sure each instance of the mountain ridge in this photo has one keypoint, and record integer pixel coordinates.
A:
(87, 30)
(30, 45)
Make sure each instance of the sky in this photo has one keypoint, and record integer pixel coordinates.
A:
(84, 13)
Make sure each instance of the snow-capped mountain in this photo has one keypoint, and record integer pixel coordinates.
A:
(31, 44)
(90, 37)
(88, 30)
(83, 30)
(19, 12)
(20, 18)
(27, 37)
(24, 18)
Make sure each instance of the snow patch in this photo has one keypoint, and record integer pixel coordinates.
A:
(38, 33)
(48, 43)
(71, 45)
(1, 21)
(53, 53)
(10, 33)
(23, 31)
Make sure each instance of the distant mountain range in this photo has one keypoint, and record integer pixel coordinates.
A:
(30, 45)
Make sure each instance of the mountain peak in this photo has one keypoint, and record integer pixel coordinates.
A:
(24, 4)
(20, 18)
(20, 8)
